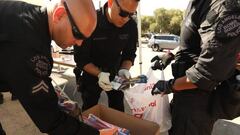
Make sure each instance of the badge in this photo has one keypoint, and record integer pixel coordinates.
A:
(40, 65)
(228, 27)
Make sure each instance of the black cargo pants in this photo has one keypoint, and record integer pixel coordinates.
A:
(91, 92)
(1, 130)
(190, 114)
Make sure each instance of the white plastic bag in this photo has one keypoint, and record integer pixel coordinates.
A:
(144, 105)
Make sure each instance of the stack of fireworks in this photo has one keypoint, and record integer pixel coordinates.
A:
(99, 124)
(120, 83)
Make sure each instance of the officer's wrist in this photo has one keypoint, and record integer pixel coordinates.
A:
(171, 54)
(123, 68)
(171, 84)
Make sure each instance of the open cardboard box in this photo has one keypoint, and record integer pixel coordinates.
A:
(134, 125)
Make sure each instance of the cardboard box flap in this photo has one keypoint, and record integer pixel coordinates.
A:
(135, 125)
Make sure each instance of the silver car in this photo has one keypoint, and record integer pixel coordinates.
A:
(160, 42)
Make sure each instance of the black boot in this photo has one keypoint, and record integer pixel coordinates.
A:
(1, 98)
(1, 130)
(13, 97)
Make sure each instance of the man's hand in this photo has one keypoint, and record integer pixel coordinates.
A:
(162, 61)
(124, 73)
(163, 87)
(104, 82)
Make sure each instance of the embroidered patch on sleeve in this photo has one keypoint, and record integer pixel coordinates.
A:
(40, 65)
(228, 27)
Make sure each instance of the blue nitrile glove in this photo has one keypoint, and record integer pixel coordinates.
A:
(163, 87)
(162, 61)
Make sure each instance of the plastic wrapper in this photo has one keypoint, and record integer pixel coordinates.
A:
(99, 124)
(120, 83)
(68, 106)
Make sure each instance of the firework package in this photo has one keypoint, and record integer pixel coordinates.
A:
(120, 83)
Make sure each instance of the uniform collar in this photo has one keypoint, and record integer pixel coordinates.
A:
(103, 20)
(44, 13)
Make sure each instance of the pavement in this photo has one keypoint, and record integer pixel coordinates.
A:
(14, 119)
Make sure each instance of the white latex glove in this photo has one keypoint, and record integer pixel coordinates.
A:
(104, 82)
(124, 73)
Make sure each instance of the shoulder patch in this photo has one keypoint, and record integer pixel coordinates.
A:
(40, 65)
(228, 27)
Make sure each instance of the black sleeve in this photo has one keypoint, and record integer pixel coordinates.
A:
(217, 61)
(129, 52)
(82, 53)
(28, 76)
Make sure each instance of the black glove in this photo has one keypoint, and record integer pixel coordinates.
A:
(161, 62)
(165, 87)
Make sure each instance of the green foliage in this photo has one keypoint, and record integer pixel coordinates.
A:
(145, 22)
(163, 21)
(154, 27)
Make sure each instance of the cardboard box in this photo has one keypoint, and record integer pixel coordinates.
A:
(134, 125)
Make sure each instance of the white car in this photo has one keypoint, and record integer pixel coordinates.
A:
(160, 42)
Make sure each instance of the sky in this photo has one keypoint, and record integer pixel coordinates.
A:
(147, 7)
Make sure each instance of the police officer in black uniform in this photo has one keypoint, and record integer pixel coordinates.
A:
(210, 38)
(111, 47)
(26, 31)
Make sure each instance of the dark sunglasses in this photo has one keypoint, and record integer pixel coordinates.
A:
(76, 33)
(124, 13)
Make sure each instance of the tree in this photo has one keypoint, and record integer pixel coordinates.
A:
(175, 25)
(163, 21)
(154, 27)
(145, 23)
(175, 22)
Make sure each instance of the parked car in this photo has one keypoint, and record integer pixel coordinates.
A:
(160, 42)
(144, 40)
(145, 37)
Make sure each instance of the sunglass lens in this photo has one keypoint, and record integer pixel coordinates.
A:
(76, 34)
(123, 15)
